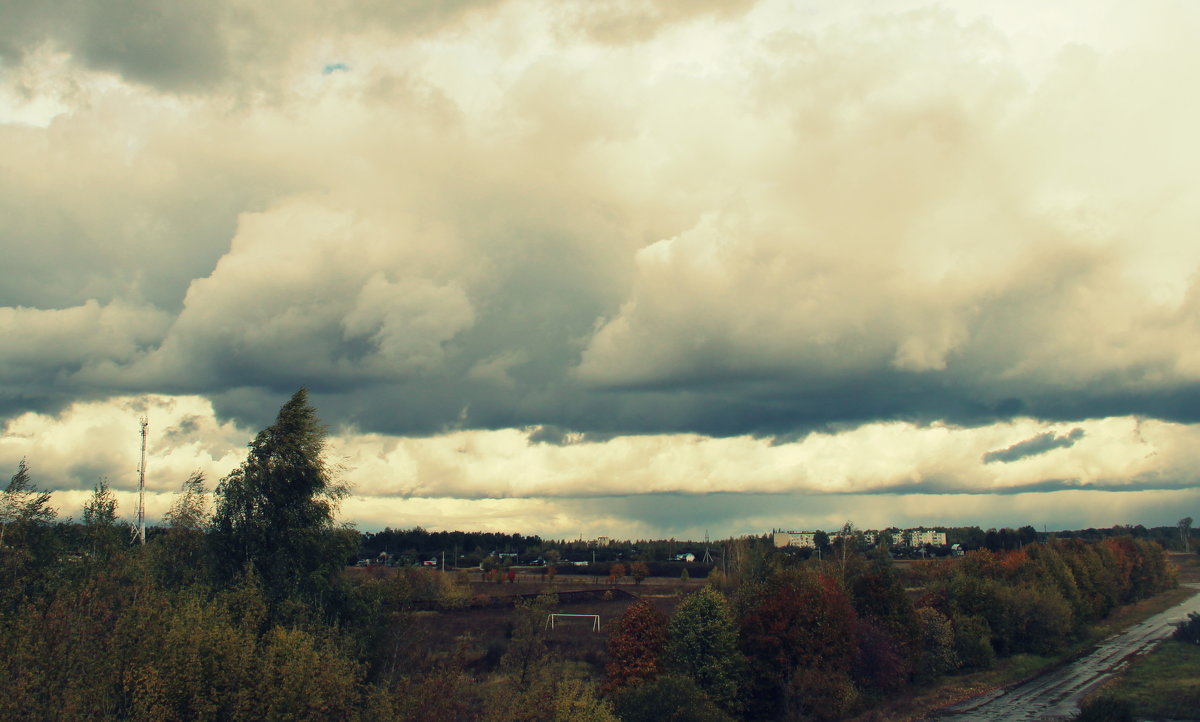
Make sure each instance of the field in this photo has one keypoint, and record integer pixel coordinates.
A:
(479, 633)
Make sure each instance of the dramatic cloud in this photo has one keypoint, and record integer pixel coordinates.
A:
(532, 252)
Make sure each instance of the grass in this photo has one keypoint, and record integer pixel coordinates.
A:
(1164, 684)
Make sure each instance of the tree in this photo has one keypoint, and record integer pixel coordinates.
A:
(1185, 529)
(100, 519)
(635, 646)
(275, 513)
(639, 571)
(191, 506)
(180, 554)
(847, 538)
(702, 644)
(23, 504)
(801, 642)
(615, 572)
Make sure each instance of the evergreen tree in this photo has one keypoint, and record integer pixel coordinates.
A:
(275, 513)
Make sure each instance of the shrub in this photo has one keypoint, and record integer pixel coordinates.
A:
(1105, 709)
(1189, 630)
(670, 697)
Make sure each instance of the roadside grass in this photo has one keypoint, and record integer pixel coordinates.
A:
(920, 703)
(1164, 684)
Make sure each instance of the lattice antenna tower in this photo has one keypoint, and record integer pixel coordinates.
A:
(141, 517)
(707, 552)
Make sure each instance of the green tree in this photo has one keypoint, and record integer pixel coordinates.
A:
(190, 509)
(22, 504)
(1185, 530)
(702, 644)
(179, 555)
(100, 521)
(937, 653)
(275, 513)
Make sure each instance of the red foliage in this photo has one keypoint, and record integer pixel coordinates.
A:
(615, 572)
(804, 629)
(1012, 562)
(635, 647)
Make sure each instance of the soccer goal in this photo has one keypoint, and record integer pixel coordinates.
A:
(553, 619)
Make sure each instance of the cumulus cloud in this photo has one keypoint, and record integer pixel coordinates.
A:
(673, 241)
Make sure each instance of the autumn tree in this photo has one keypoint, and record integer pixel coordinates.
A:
(275, 513)
(635, 646)
(801, 642)
(615, 572)
(639, 571)
(702, 644)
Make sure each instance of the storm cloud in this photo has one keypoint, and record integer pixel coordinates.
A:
(613, 236)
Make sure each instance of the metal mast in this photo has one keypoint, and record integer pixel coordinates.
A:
(141, 517)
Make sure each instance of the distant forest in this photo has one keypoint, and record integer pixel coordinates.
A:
(462, 548)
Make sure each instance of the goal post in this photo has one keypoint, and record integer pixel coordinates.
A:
(553, 617)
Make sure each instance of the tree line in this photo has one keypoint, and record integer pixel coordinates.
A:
(237, 607)
(781, 639)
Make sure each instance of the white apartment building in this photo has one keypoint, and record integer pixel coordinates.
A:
(921, 537)
(802, 539)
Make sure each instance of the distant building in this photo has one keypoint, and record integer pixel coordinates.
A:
(801, 539)
(685, 557)
(921, 537)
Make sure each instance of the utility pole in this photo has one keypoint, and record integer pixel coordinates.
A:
(141, 515)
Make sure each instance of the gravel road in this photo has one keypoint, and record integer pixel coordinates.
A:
(1056, 695)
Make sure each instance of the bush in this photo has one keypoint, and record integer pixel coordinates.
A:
(670, 697)
(1189, 631)
(1105, 709)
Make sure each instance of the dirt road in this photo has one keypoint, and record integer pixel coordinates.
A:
(1056, 695)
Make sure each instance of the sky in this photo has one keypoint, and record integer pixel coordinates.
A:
(621, 268)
